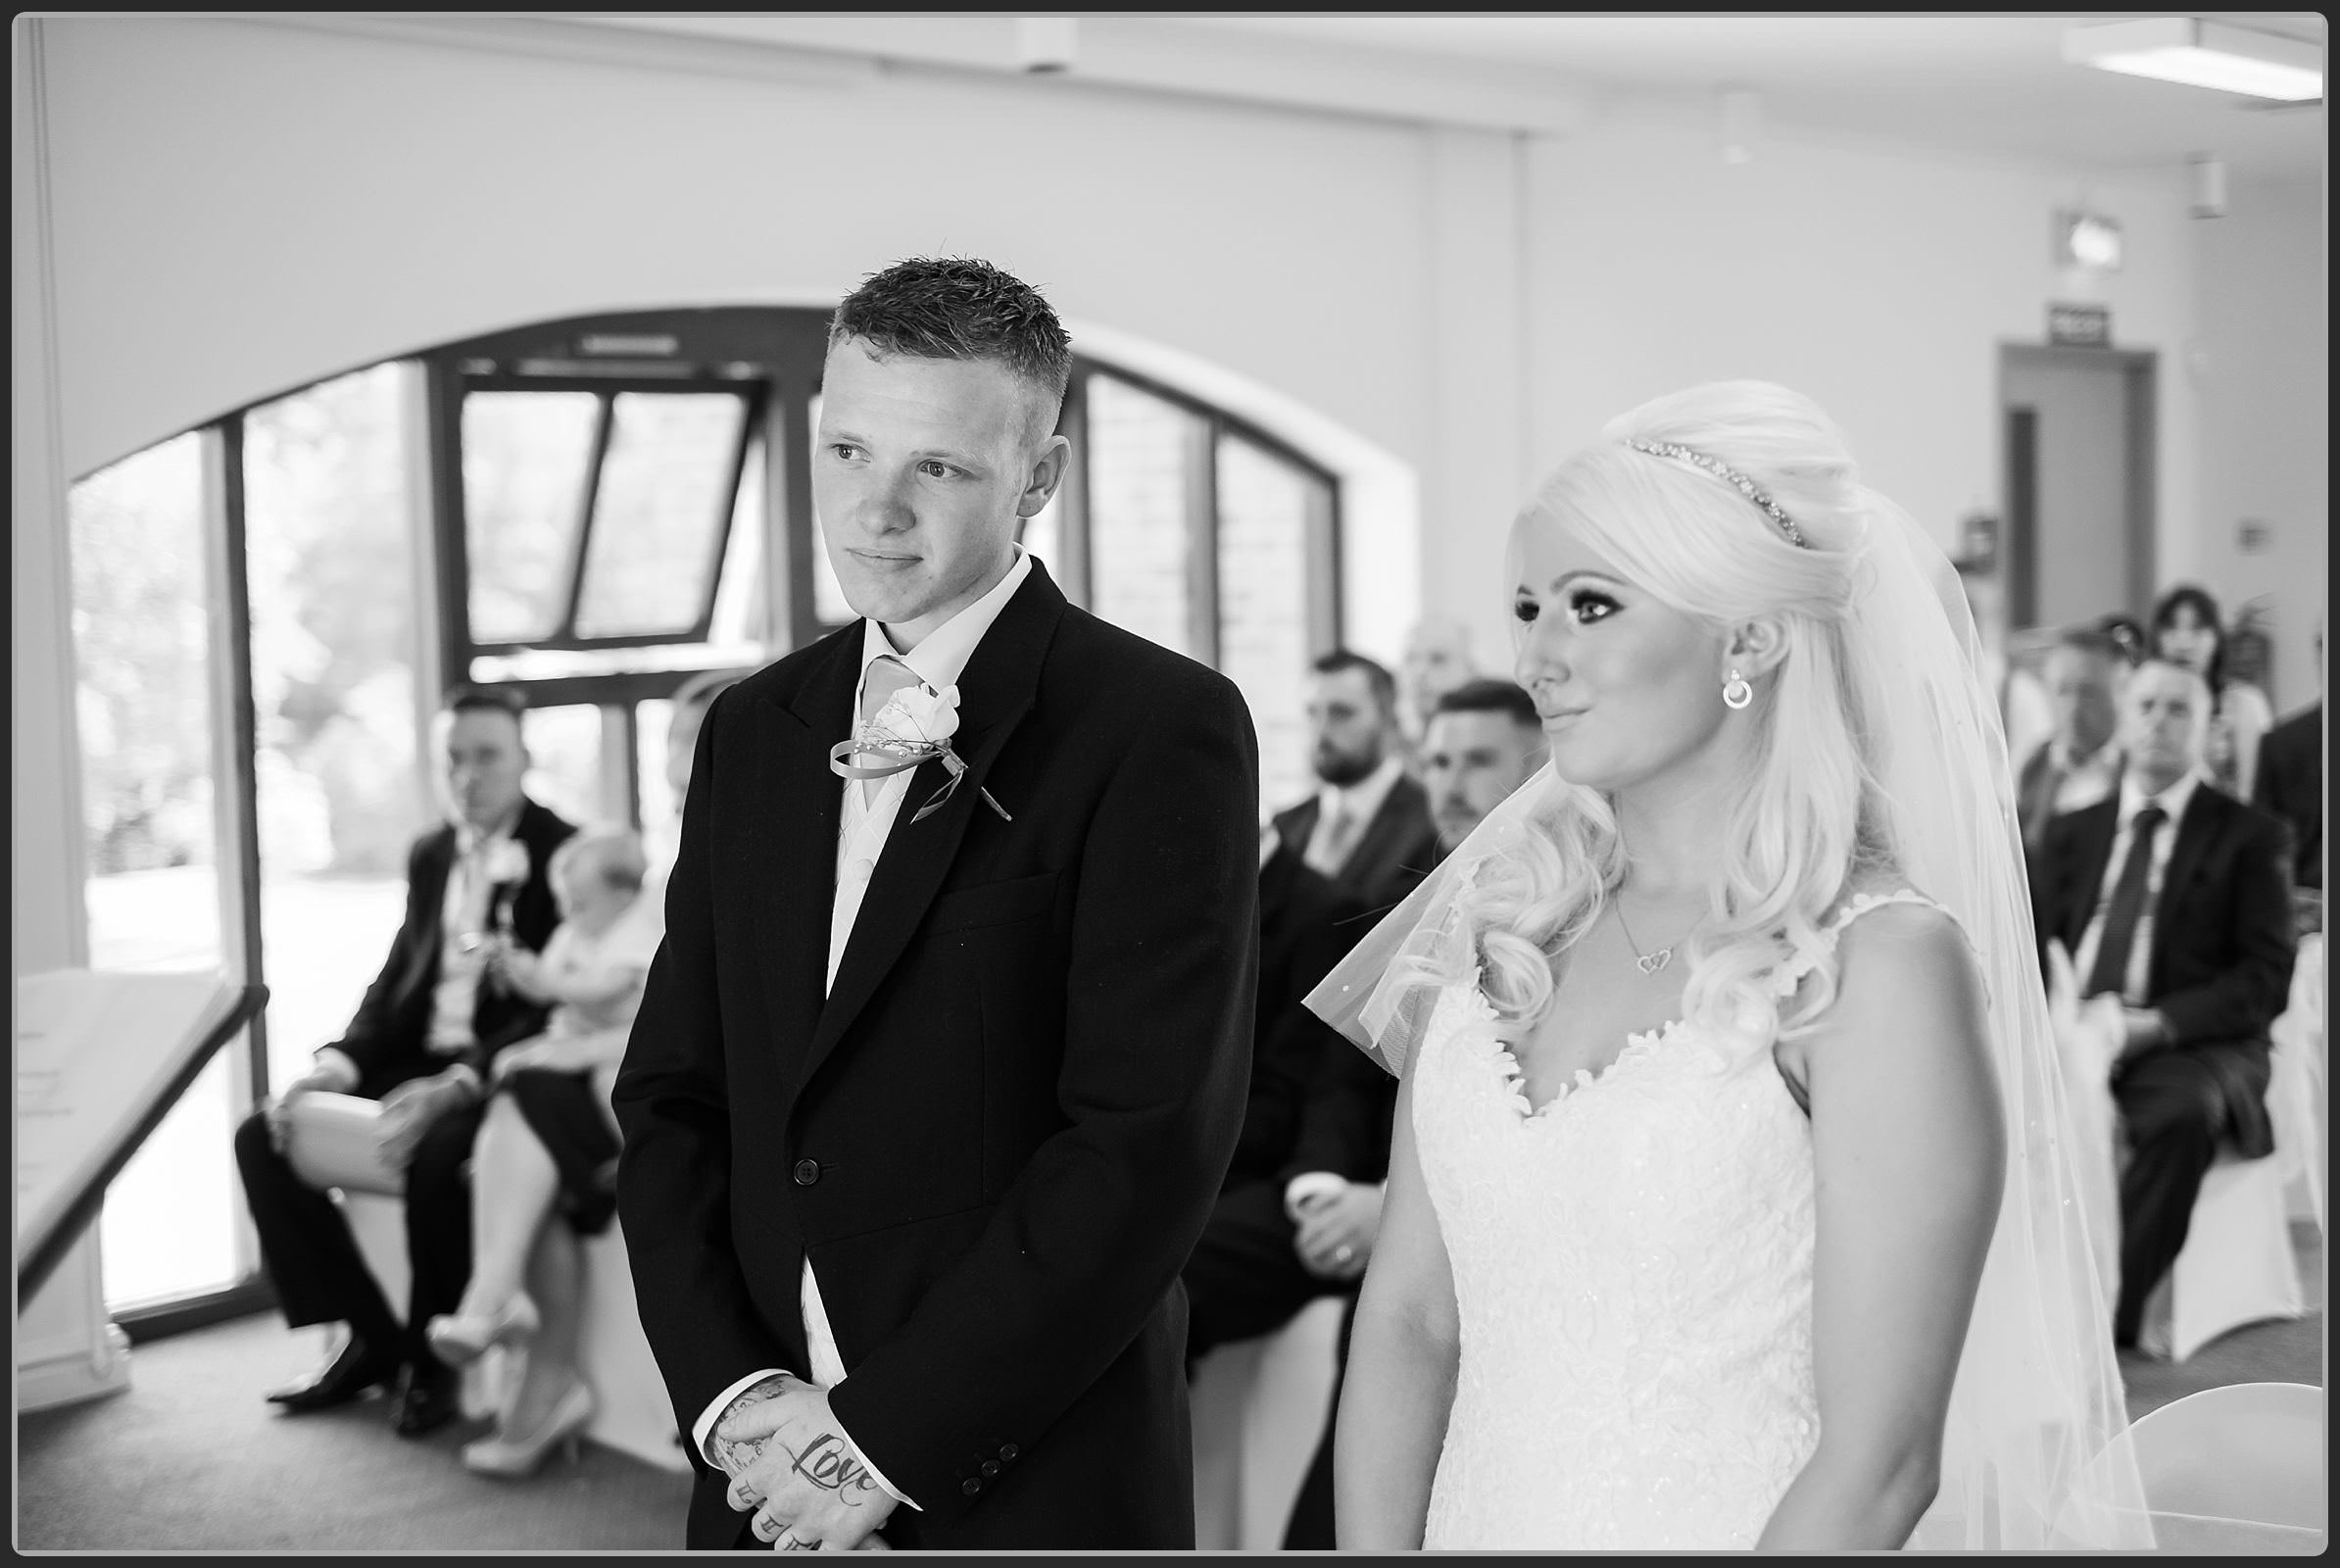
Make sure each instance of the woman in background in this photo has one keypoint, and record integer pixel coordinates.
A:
(2187, 630)
(548, 1147)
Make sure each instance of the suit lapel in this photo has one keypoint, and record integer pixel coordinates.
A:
(2093, 847)
(792, 864)
(437, 864)
(995, 692)
(1376, 853)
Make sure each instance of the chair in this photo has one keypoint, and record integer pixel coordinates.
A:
(2239, 1468)
(2238, 1264)
(332, 1148)
(1258, 1407)
(2300, 1049)
(2087, 1039)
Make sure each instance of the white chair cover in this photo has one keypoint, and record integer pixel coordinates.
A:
(2232, 1469)
(2087, 1039)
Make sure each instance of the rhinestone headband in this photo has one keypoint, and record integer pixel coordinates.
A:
(1730, 477)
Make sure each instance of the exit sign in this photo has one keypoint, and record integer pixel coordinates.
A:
(2080, 325)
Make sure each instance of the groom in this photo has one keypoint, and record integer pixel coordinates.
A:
(945, 1054)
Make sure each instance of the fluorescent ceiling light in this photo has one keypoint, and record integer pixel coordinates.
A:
(2202, 53)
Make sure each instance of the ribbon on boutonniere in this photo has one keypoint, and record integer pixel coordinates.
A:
(915, 728)
(505, 863)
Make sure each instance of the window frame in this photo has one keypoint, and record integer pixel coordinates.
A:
(771, 358)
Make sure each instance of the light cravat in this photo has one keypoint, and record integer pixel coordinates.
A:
(1331, 845)
(887, 675)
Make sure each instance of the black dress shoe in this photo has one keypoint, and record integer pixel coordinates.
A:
(357, 1368)
(428, 1403)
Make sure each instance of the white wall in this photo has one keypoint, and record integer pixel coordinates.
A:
(248, 205)
(2263, 378)
(242, 207)
(1880, 283)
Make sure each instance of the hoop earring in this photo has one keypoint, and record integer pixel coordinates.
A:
(1737, 693)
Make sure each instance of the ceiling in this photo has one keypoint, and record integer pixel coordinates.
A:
(1993, 84)
(1981, 84)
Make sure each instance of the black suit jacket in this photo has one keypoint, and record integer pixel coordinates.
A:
(2290, 784)
(1306, 925)
(999, 1136)
(1394, 854)
(2219, 969)
(389, 1035)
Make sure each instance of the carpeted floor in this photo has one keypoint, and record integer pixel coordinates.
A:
(191, 1459)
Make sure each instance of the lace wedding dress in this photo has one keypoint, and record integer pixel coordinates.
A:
(1632, 1272)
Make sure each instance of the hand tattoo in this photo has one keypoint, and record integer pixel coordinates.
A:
(733, 1455)
(828, 1462)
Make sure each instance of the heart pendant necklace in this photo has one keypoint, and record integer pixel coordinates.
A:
(1649, 962)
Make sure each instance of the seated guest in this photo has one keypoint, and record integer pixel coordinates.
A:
(1437, 659)
(2171, 894)
(2188, 630)
(1484, 739)
(421, 1042)
(2290, 785)
(1245, 1276)
(1368, 826)
(549, 1145)
(2079, 765)
(686, 710)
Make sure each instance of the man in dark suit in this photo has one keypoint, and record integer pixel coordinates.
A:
(420, 1042)
(1368, 825)
(939, 1066)
(2171, 894)
(2080, 762)
(2289, 784)
(1246, 1277)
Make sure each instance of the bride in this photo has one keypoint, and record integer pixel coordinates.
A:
(1728, 1203)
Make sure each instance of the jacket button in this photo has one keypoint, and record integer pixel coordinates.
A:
(807, 1172)
(970, 1486)
(990, 1468)
(1008, 1453)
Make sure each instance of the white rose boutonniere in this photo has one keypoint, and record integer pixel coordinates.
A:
(921, 715)
(914, 726)
(507, 861)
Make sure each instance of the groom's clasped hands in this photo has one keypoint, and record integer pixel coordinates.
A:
(789, 1462)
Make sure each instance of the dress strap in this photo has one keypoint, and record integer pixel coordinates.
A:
(1866, 902)
(1792, 973)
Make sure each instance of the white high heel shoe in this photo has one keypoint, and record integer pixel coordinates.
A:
(517, 1458)
(460, 1340)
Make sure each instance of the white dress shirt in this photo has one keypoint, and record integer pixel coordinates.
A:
(870, 808)
(1358, 803)
(464, 911)
(2083, 782)
(2173, 802)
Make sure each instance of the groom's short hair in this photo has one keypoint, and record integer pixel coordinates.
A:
(958, 307)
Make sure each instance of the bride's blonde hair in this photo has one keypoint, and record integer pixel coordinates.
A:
(1809, 819)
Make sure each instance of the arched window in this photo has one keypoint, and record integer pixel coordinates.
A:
(593, 511)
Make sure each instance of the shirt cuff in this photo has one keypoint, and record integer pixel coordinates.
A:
(338, 1062)
(1311, 1184)
(703, 1428)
